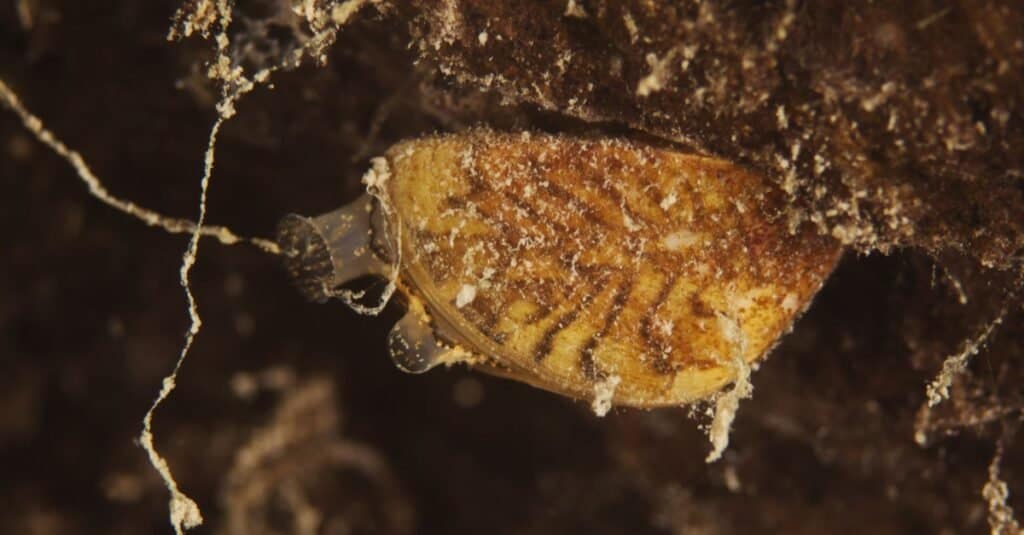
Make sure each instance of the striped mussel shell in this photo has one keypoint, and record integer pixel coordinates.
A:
(589, 267)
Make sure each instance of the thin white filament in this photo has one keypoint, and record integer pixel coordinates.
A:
(172, 225)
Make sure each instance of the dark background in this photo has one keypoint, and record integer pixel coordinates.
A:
(92, 317)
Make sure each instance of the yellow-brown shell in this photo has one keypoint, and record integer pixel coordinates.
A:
(567, 262)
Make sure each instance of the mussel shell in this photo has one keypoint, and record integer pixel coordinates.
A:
(562, 261)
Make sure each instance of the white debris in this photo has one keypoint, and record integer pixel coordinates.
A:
(342, 12)
(466, 295)
(790, 302)
(727, 404)
(604, 391)
(996, 493)
(680, 239)
(378, 174)
(938, 389)
(669, 201)
(659, 75)
(664, 326)
(781, 118)
(572, 9)
(725, 412)
(482, 38)
(629, 223)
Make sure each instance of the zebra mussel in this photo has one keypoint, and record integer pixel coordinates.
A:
(590, 267)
